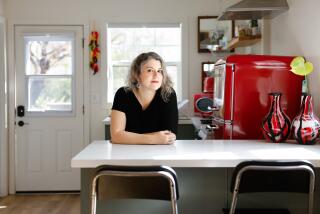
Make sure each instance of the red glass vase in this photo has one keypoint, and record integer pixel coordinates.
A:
(306, 126)
(276, 124)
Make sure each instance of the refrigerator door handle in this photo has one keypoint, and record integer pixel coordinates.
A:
(228, 122)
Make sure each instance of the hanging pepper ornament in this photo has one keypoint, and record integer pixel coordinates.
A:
(94, 51)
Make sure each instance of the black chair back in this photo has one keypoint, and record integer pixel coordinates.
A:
(140, 182)
(272, 176)
(142, 187)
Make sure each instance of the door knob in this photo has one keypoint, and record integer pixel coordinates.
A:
(21, 123)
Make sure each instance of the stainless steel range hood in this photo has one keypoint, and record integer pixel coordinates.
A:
(254, 9)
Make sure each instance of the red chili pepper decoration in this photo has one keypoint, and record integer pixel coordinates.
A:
(94, 51)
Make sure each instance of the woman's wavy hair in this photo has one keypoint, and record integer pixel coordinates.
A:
(135, 71)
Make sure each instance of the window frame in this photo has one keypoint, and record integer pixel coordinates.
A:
(111, 64)
(67, 36)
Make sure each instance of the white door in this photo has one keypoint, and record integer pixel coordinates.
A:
(49, 106)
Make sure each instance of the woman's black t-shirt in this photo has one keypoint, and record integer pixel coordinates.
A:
(158, 116)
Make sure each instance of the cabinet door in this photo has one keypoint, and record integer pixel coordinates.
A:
(186, 132)
(107, 135)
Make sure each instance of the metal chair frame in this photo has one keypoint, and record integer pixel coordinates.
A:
(306, 167)
(164, 174)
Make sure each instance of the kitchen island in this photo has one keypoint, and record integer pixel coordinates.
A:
(204, 169)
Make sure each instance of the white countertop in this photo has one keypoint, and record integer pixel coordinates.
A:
(193, 153)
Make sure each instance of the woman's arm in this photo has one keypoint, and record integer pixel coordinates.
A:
(119, 135)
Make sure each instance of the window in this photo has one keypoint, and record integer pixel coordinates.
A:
(126, 41)
(49, 73)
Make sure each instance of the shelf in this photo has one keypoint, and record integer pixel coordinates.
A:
(243, 41)
(216, 49)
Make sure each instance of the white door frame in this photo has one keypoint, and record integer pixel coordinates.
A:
(12, 86)
(3, 112)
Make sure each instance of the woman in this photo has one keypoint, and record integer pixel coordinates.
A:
(146, 111)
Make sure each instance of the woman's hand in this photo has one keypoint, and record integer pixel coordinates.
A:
(163, 137)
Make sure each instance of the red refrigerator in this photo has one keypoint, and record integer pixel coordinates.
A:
(241, 99)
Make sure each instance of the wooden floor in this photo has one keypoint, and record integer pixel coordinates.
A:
(40, 204)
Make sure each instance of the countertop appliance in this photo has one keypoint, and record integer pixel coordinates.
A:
(240, 96)
(202, 104)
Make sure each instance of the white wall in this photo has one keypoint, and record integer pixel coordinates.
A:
(2, 8)
(3, 112)
(296, 32)
(103, 11)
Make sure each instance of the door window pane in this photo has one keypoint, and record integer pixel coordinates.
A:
(49, 94)
(48, 57)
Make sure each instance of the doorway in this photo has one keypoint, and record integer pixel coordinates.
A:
(49, 106)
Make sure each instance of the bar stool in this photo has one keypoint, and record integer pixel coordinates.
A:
(273, 176)
(152, 178)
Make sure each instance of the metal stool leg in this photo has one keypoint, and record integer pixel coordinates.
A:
(173, 197)
(311, 191)
(94, 195)
(234, 196)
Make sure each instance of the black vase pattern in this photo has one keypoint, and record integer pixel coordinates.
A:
(276, 124)
(306, 126)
